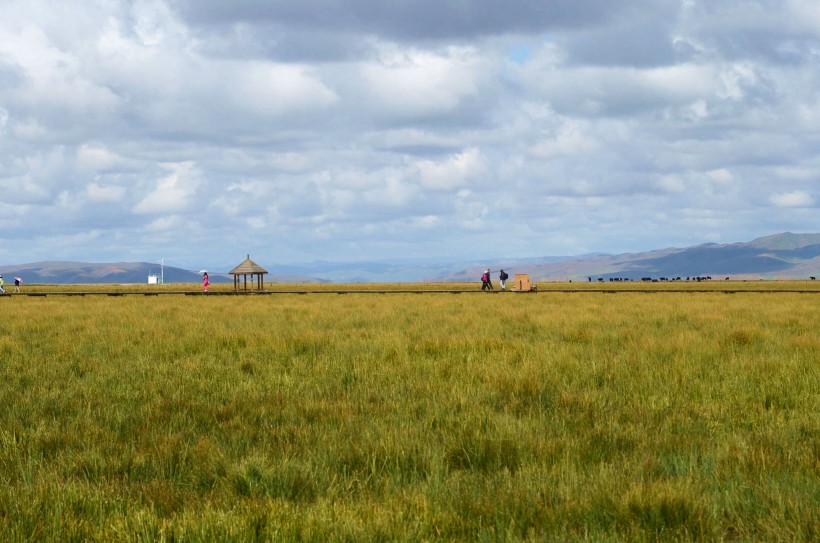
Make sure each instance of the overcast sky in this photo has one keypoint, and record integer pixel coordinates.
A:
(204, 130)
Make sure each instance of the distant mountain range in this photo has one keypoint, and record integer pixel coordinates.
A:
(780, 256)
(64, 273)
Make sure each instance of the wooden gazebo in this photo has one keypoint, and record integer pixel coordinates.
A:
(249, 267)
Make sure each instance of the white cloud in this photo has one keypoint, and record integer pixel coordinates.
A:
(795, 173)
(427, 222)
(168, 223)
(12, 214)
(721, 176)
(805, 13)
(393, 192)
(671, 184)
(257, 223)
(797, 198)
(699, 109)
(456, 171)
(595, 90)
(29, 130)
(572, 139)
(411, 83)
(104, 194)
(96, 158)
(344, 133)
(470, 212)
(53, 78)
(735, 79)
(271, 89)
(173, 192)
(154, 22)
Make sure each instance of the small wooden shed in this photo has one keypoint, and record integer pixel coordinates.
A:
(246, 268)
(522, 282)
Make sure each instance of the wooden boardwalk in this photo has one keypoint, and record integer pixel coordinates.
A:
(42, 294)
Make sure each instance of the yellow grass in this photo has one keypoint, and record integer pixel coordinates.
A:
(555, 416)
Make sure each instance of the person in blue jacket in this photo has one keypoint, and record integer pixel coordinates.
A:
(502, 278)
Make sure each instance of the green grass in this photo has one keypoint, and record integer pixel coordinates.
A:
(562, 416)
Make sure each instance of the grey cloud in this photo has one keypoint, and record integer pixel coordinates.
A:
(275, 40)
(404, 20)
(11, 76)
(330, 31)
(640, 35)
(767, 30)
(645, 45)
(374, 128)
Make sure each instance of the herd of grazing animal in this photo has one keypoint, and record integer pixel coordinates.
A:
(662, 279)
(654, 280)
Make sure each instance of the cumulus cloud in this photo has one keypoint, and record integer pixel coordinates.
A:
(326, 128)
(427, 222)
(173, 192)
(453, 172)
(272, 90)
(166, 224)
(672, 184)
(797, 198)
(404, 22)
(92, 157)
(572, 139)
(721, 176)
(104, 194)
(422, 83)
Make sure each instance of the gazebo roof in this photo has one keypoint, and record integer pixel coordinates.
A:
(248, 267)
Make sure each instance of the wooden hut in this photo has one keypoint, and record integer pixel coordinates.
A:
(249, 267)
(522, 283)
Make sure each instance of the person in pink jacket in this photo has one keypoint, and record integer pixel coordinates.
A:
(486, 283)
(205, 282)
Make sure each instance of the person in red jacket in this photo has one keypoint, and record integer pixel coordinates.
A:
(205, 282)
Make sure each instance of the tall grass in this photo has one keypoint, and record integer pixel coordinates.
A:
(587, 416)
(474, 287)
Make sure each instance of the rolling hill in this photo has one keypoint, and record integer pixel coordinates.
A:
(780, 256)
(64, 273)
(68, 273)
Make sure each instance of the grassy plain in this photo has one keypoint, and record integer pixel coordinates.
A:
(543, 286)
(407, 417)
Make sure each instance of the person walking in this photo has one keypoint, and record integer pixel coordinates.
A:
(205, 281)
(2, 283)
(486, 284)
(502, 278)
(17, 282)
